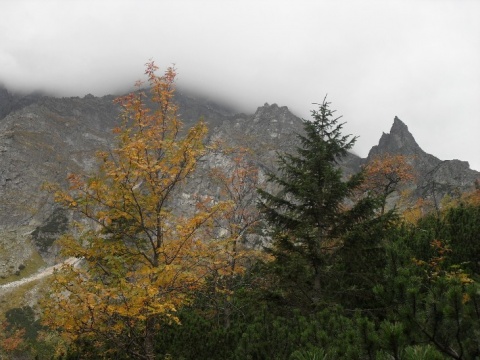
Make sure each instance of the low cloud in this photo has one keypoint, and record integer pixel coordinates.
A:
(416, 60)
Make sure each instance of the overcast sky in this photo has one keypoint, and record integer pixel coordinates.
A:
(418, 60)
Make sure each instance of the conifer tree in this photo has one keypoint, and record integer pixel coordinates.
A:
(311, 214)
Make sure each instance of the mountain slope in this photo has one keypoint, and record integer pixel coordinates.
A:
(42, 139)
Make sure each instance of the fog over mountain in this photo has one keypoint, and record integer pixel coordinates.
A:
(375, 59)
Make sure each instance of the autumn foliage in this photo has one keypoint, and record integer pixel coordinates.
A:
(385, 174)
(236, 183)
(141, 257)
(10, 340)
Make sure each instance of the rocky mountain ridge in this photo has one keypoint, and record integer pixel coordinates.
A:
(435, 178)
(42, 139)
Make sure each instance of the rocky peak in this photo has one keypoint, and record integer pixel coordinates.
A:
(193, 107)
(10, 102)
(434, 178)
(273, 113)
(398, 141)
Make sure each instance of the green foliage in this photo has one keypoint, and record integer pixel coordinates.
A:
(198, 337)
(429, 287)
(308, 208)
(23, 318)
(360, 262)
(332, 333)
(23, 324)
(458, 227)
(313, 354)
(312, 225)
(55, 225)
(421, 352)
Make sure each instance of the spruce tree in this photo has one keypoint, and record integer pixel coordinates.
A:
(312, 214)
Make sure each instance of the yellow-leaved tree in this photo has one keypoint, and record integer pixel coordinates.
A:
(385, 174)
(236, 233)
(141, 256)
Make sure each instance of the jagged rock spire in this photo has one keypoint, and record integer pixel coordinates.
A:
(398, 141)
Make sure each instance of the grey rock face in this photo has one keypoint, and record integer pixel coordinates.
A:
(270, 129)
(43, 142)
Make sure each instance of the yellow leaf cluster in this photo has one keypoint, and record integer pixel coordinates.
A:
(434, 268)
(385, 173)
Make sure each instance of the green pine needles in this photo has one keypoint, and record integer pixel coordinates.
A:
(313, 212)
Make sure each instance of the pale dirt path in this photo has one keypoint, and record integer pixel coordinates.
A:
(39, 275)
